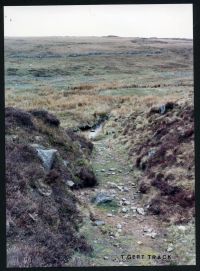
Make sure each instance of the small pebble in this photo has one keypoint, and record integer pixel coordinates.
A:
(170, 248)
(116, 245)
(105, 258)
(112, 169)
(181, 228)
(139, 243)
(153, 235)
(119, 226)
(140, 211)
(124, 210)
(133, 208)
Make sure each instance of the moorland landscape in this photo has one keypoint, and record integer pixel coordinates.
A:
(99, 151)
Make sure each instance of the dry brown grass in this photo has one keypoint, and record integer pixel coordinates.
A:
(80, 107)
(136, 103)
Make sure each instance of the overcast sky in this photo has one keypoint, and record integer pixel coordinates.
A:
(162, 21)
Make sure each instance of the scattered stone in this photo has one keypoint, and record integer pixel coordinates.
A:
(125, 189)
(119, 187)
(119, 226)
(112, 169)
(133, 208)
(127, 216)
(38, 138)
(139, 243)
(181, 228)
(124, 210)
(116, 245)
(102, 198)
(117, 234)
(123, 199)
(140, 211)
(109, 215)
(65, 162)
(151, 152)
(127, 202)
(153, 235)
(170, 248)
(112, 185)
(105, 258)
(70, 183)
(149, 230)
(99, 223)
(102, 170)
(119, 230)
(133, 184)
(113, 173)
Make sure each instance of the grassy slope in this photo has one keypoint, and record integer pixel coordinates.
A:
(52, 69)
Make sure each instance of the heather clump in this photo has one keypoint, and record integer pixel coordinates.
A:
(161, 146)
(43, 219)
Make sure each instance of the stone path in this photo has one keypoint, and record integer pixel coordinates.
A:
(120, 232)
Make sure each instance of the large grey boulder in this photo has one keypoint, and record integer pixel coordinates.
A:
(46, 155)
(102, 198)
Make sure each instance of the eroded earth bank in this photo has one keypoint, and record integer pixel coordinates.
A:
(123, 197)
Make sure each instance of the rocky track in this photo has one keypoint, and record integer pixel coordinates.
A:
(116, 225)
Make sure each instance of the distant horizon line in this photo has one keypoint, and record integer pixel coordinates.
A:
(105, 36)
